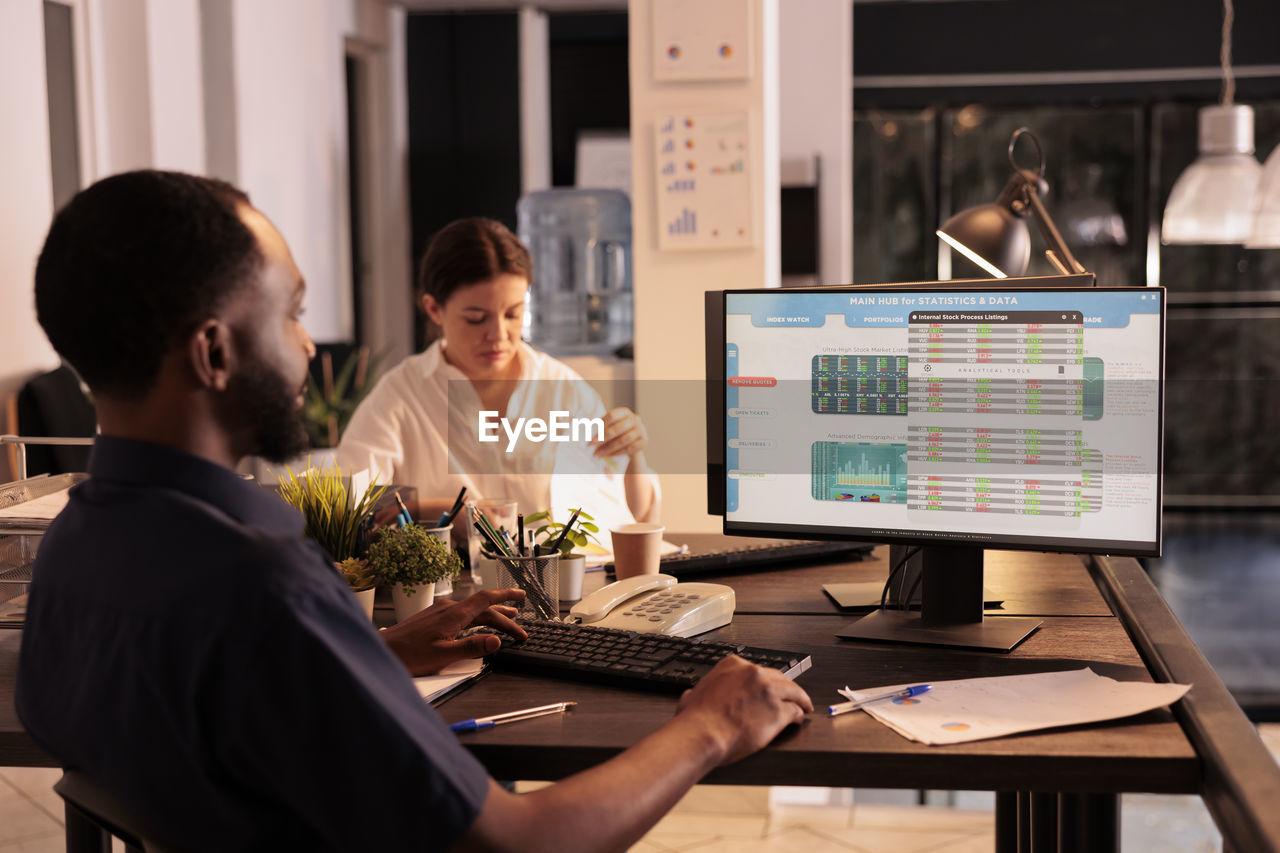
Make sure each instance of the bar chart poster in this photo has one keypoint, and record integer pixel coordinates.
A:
(858, 471)
(703, 181)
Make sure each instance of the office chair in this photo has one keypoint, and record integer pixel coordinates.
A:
(94, 815)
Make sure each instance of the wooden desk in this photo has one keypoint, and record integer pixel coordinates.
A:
(1055, 784)
(787, 609)
(1057, 585)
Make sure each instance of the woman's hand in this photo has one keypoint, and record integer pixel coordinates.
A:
(624, 434)
(427, 642)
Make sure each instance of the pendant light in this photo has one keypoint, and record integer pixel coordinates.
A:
(1213, 199)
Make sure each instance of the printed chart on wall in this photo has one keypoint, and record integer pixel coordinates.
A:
(703, 183)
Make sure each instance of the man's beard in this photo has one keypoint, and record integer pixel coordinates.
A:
(262, 401)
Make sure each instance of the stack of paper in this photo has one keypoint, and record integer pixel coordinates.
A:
(35, 513)
(980, 708)
(432, 687)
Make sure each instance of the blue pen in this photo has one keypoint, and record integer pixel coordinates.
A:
(510, 717)
(846, 707)
(404, 517)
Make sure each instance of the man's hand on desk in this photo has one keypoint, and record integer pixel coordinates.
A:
(744, 706)
(428, 641)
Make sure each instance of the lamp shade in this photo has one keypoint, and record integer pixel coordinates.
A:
(992, 237)
(1266, 215)
(1213, 200)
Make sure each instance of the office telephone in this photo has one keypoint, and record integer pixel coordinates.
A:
(656, 604)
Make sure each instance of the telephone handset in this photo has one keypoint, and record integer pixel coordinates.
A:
(656, 604)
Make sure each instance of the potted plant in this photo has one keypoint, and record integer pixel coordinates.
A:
(362, 580)
(565, 538)
(335, 519)
(411, 559)
(330, 405)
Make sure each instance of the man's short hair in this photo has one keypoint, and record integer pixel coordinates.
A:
(132, 265)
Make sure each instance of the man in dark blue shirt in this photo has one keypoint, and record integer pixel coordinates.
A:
(187, 647)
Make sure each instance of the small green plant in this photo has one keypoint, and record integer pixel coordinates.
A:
(410, 557)
(581, 531)
(333, 520)
(357, 574)
(328, 409)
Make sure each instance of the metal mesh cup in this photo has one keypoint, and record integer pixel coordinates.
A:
(539, 577)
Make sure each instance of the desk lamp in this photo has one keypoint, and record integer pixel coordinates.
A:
(995, 237)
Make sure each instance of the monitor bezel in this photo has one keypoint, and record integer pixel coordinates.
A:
(1125, 548)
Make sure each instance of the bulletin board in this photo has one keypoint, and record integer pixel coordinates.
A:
(703, 181)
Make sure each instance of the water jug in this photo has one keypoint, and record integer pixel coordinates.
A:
(580, 296)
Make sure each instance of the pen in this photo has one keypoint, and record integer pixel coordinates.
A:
(520, 527)
(447, 517)
(510, 717)
(404, 517)
(845, 707)
(555, 546)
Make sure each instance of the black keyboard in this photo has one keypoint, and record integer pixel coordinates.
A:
(627, 659)
(755, 554)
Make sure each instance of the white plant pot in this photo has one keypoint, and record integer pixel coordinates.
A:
(572, 570)
(444, 588)
(365, 599)
(407, 605)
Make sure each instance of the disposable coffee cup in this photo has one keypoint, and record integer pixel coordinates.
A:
(636, 548)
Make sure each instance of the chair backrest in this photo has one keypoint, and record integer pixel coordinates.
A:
(94, 814)
(53, 404)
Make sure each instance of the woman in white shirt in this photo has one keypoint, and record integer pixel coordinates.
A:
(421, 425)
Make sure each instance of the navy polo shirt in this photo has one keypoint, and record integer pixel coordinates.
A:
(187, 646)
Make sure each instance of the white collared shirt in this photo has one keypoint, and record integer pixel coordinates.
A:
(419, 427)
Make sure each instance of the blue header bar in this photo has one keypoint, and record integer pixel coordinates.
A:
(1102, 308)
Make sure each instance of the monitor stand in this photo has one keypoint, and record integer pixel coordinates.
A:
(951, 606)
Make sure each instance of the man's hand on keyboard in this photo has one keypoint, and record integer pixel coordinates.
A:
(744, 706)
(428, 641)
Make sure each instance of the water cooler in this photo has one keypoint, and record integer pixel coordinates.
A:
(580, 296)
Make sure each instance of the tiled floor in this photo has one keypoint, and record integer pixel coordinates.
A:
(753, 820)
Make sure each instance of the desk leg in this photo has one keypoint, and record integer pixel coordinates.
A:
(1006, 822)
(1024, 822)
(1044, 823)
(1089, 822)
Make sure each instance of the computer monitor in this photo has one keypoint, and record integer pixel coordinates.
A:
(947, 418)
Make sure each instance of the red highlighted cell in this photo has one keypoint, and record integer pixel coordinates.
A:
(753, 381)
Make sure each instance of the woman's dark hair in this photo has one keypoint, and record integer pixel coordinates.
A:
(133, 264)
(466, 252)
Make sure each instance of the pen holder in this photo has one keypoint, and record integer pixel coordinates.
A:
(539, 577)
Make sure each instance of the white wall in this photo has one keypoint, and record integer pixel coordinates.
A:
(669, 285)
(176, 86)
(815, 80)
(119, 85)
(26, 191)
(275, 124)
(291, 142)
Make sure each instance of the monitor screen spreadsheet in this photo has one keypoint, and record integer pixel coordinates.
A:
(1023, 418)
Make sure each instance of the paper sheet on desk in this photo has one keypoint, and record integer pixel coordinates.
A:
(43, 508)
(432, 687)
(979, 708)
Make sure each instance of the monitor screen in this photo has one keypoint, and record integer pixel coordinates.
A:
(982, 416)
